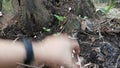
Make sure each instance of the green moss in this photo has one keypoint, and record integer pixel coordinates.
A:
(7, 6)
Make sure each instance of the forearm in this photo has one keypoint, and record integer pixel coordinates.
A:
(53, 49)
(11, 53)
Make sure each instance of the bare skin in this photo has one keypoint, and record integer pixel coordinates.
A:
(52, 50)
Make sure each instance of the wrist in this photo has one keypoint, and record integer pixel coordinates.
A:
(37, 50)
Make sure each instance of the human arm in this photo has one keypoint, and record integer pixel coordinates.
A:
(52, 50)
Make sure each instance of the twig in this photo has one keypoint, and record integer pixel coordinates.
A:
(100, 35)
(117, 62)
(27, 65)
(15, 40)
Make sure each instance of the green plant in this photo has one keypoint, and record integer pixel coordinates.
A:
(85, 17)
(60, 18)
(46, 29)
(110, 7)
(106, 11)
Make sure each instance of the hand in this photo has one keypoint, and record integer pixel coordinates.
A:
(58, 49)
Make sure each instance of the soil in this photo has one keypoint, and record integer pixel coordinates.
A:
(101, 48)
(104, 52)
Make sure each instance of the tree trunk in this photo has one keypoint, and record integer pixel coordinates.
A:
(1, 5)
(87, 9)
(33, 15)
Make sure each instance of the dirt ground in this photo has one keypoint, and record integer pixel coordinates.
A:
(104, 52)
(99, 44)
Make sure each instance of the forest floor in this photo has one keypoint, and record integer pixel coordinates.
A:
(102, 48)
(99, 45)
